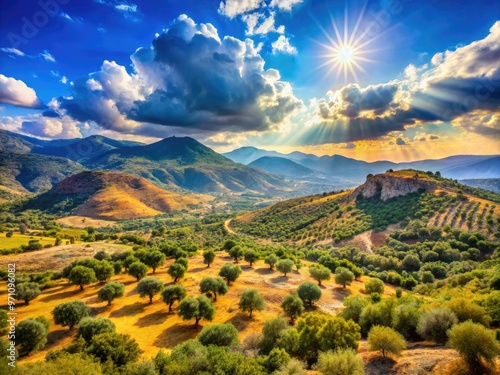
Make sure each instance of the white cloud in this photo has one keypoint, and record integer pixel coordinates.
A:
(282, 45)
(126, 8)
(258, 23)
(66, 16)
(47, 56)
(16, 92)
(284, 4)
(13, 51)
(64, 80)
(233, 8)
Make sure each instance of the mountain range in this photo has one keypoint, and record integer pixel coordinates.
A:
(455, 167)
(182, 164)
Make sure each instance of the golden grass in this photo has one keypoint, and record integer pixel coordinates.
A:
(18, 239)
(57, 257)
(83, 222)
(154, 328)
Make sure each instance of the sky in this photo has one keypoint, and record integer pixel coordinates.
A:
(396, 80)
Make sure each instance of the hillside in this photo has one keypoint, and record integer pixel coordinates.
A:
(81, 149)
(34, 173)
(492, 184)
(112, 196)
(385, 199)
(185, 163)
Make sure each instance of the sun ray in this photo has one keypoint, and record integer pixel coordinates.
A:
(345, 51)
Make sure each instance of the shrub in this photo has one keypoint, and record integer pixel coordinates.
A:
(474, 342)
(386, 340)
(271, 333)
(353, 306)
(375, 286)
(219, 335)
(118, 349)
(405, 320)
(467, 310)
(434, 324)
(293, 367)
(340, 362)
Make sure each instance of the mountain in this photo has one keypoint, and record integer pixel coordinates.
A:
(247, 155)
(456, 167)
(389, 198)
(112, 196)
(282, 166)
(14, 142)
(81, 149)
(34, 173)
(185, 163)
(492, 184)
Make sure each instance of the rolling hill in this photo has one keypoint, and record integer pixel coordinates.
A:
(112, 196)
(383, 200)
(34, 173)
(185, 163)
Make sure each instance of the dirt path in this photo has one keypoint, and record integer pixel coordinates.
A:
(228, 228)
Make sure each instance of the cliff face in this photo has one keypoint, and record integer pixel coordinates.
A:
(390, 186)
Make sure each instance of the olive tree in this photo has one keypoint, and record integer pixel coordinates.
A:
(154, 259)
(27, 292)
(81, 275)
(386, 340)
(251, 300)
(293, 306)
(89, 327)
(474, 342)
(375, 286)
(196, 308)
(214, 286)
(110, 291)
(343, 276)
(176, 271)
(149, 286)
(173, 293)
(434, 324)
(138, 270)
(70, 313)
(104, 270)
(251, 257)
(271, 261)
(309, 292)
(219, 335)
(208, 257)
(230, 272)
(285, 266)
(31, 335)
(320, 273)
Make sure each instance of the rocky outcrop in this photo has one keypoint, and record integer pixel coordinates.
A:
(388, 186)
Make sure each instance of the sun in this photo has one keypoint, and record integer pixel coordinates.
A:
(344, 53)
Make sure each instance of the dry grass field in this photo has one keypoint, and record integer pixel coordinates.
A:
(154, 328)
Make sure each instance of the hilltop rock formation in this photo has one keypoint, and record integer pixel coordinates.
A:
(390, 185)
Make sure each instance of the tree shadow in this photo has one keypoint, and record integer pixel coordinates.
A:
(175, 334)
(199, 269)
(240, 320)
(264, 271)
(152, 319)
(341, 293)
(131, 292)
(62, 295)
(279, 279)
(128, 310)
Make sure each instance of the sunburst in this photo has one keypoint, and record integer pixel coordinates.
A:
(344, 53)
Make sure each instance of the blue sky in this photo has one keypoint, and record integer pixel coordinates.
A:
(298, 98)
